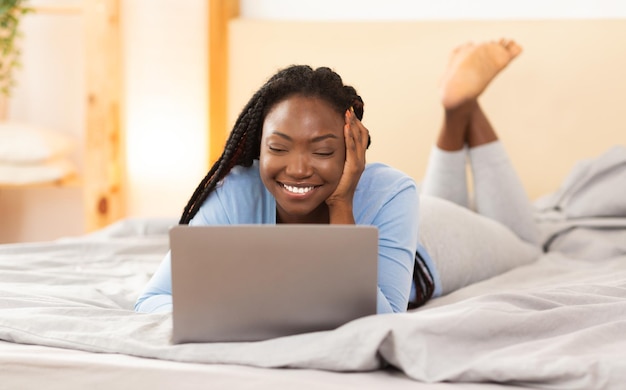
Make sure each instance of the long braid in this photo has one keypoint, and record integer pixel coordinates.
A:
(244, 142)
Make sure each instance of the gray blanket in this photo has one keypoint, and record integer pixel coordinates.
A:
(556, 323)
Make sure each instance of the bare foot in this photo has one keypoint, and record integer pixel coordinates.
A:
(472, 67)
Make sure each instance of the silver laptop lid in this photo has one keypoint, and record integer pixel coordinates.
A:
(255, 282)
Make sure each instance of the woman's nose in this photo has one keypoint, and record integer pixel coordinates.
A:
(299, 166)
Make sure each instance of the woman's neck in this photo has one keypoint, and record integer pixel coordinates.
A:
(319, 215)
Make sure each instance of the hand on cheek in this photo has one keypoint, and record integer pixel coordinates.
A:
(356, 139)
(356, 136)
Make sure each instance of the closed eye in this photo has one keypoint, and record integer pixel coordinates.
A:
(276, 150)
(324, 154)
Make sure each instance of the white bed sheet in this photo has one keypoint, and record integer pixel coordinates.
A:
(35, 367)
(557, 323)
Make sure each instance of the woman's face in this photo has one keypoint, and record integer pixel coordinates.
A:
(302, 157)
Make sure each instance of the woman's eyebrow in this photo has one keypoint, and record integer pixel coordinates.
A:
(282, 135)
(323, 137)
(316, 139)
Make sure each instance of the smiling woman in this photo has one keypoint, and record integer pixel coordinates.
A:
(297, 155)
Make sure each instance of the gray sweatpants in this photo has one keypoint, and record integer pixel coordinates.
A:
(471, 238)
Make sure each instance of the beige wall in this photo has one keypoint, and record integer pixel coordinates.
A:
(559, 102)
(403, 10)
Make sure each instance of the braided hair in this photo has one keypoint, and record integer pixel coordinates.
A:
(244, 143)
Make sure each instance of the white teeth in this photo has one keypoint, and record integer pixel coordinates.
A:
(297, 190)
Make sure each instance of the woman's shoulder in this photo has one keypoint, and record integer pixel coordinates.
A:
(242, 185)
(384, 192)
(240, 181)
(242, 175)
(239, 198)
(378, 174)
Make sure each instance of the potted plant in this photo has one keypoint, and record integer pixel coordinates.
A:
(11, 12)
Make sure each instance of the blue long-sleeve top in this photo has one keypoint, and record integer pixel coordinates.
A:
(384, 197)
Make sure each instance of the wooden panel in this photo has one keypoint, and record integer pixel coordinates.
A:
(220, 12)
(103, 176)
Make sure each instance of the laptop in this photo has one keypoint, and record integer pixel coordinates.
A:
(257, 282)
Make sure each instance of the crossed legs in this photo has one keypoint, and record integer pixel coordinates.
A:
(474, 246)
(467, 136)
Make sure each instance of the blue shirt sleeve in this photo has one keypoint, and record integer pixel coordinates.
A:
(157, 295)
(396, 253)
(389, 199)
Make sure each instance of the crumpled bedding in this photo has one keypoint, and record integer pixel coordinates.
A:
(556, 323)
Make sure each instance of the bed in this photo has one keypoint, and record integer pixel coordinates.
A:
(66, 318)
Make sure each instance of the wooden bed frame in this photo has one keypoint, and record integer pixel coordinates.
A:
(103, 189)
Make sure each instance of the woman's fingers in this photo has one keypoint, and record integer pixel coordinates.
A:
(356, 134)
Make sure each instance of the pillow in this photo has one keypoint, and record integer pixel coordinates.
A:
(21, 174)
(594, 188)
(26, 144)
(602, 192)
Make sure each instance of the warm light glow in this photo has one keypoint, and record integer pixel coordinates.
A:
(166, 105)
(164, 140)
(166, 154)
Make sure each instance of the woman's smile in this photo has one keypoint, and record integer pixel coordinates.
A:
(298, 190)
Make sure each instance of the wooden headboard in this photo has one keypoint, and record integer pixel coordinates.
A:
(559, 102)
